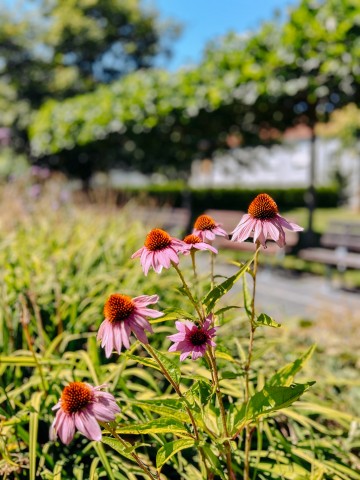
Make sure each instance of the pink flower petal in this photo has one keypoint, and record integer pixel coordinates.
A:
(87, 425)
(66, 429)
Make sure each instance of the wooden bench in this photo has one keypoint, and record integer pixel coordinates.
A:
(340, 247)
(229, 220)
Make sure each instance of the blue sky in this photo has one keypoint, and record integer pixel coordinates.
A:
(204, 20)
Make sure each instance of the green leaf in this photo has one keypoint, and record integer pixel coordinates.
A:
(148, 362)
(171, 408)
(118, 447)
(33, 432)
(219, 291)
(288, 472)
(201, 392)
(285, 376)
(266, 320)
(175, 314)
(170, 449)
(171, 368)
(268, 400)
(160, 425)
(213, 459)
(247, 299)
(103, 457)
(225, 309)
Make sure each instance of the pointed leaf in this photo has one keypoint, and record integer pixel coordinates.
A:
(266, 320)
(268, 400)
(118, 447)
(217, 292)
(148, 362)
(247, 299)
(170, 449)
(166, 408)
(160, 425)
(285, 376)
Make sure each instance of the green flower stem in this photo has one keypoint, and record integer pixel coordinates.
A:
(192, 254)
(248, 429)
(188, 293)
(215, 377)
(212, 259)
(151, 352)
(141, 464)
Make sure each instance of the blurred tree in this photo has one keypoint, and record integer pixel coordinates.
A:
(59, 48)
(255, 86)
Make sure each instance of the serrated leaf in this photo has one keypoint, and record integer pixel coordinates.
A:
(211, 299)
(266, 320)
(285, 376)
(160, 425)
(170, 449)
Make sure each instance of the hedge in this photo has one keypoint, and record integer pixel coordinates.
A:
(201, 199)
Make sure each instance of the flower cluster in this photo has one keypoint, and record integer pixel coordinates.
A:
(81, 405)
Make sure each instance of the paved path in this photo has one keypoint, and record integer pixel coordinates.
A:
(283, 296)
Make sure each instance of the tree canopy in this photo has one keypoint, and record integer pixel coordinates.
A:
(60, 48)
(258, 85)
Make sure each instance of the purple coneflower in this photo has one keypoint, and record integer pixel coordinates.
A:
(193, 242)
(81, 407)
(124, 315)
(193, 340)
(159, 250)
(205, 227)
(264, 222)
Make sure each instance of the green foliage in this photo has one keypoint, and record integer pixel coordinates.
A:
(282, 75)
(203, 199)
(58, 271)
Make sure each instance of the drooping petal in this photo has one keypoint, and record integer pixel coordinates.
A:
(66, 429)
(87, 425)
(289, 225)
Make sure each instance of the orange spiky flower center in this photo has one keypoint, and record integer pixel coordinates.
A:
(157, 239)
(198, 337)
(263, 207)
(75, 397)
(191, 239)
(204, 222)
(118, 307)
